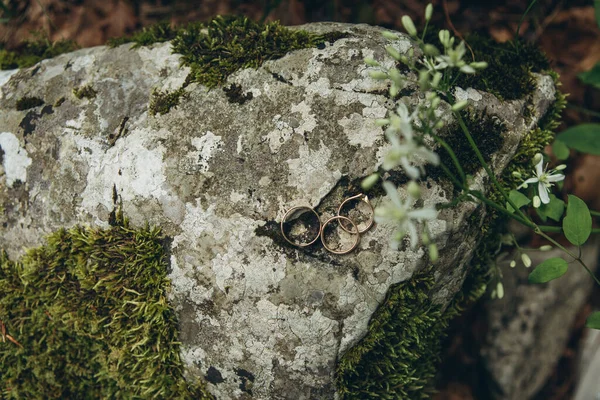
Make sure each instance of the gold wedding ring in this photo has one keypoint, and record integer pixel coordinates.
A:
(289, 214)
(341, 218)
(371, 220)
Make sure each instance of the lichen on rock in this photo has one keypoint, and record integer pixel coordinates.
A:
(258, 318)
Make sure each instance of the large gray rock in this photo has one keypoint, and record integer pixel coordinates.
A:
(257, 316)
(529, 328)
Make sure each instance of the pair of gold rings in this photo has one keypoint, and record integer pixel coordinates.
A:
(347, 225)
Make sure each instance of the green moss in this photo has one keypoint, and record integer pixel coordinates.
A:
(510, 64)
(487, 134)
(219, 47)
(32, 52)
(398, 358)
(86, 316)
(158, 33)
(25, 103)
(161, 102)
(86, 91)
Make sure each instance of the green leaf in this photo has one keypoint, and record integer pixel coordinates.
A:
(584, 138)
(560, 150)
(597, 6)
(593, 321)
(518, 198)
(577, 225)
(553, 210)
(550, 269)
(592, 76)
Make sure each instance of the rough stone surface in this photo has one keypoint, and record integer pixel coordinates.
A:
(259, 319)
(529, 328)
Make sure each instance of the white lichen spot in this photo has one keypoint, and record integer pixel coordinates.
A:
(82, 62)
(280, 135)
(236, 197)
(264, 181)
(321, 87)
(310, 175)
(309, 122)
(361, 131)
(469, 94)
(206, 146)
(15, 159)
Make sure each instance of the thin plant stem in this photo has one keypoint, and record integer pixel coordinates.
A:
(595, 213)
(464, 128)
(523, 17)
(455, 161)
(584, 110)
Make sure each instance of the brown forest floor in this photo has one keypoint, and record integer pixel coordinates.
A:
(566, 31)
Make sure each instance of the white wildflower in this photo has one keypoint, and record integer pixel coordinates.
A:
(402, 214)
(544, 179)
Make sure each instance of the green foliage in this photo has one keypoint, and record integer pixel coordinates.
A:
(88, 317)
(584, 138)
(577, 225)
(548, 270)
(593, 321)
(25, 103)
(518, 199)
(86, 91)
(161, 102)
(158, 33)
(560, 150)
(508, 74)
(553, 210)
(33, 52)
(591, 77)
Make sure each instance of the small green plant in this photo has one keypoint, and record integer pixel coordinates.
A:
(412, 132)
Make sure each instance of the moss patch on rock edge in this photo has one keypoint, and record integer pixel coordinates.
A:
(34, 51)
(86, 316)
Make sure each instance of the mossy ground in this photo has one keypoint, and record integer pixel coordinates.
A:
(32, 52)
(25, 103)
(86, 91)
(86, 317)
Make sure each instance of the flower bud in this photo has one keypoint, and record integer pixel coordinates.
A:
(404, 59)
(382, 122)
(396, 77)
(435, 102)
(431, 50)
(437, 77)
(389, 35)
(479, 65)
(517, 174)
(433, 252)
(460, 105)
(524, 185)
(425, 238)
(379, 75)
(393, 52)
(394, 90)
(526, 260)
(424, 79)
(428, 11)
(561, 167)
(500, 290)
(444, 36)
(513, 264)
(537, 202)
(408, 24)
(414, 189)
(439, 125)
(537, 158)
(371, 62)
(369, 181)
(545, 247)
(467, 69)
